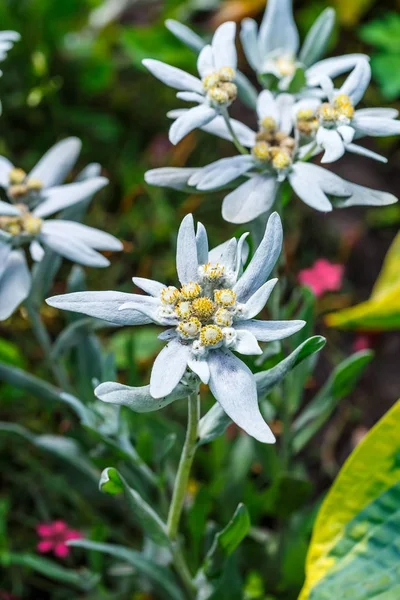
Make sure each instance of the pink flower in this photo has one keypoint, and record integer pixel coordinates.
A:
(54, 537)
(322, 277)
(361, 342)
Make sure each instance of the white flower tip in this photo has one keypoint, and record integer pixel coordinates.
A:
(55, 301)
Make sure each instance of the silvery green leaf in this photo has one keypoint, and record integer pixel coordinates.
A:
(168, 368)
(363, 196)
(270, 331)
(278, 29)
(138, 399)
(361, 151)
(375, 126)
(249, 39)
(266, 380)
(171, 177)
(318, 38)
(43, 274)
(186, 252)
(112, 482)
(45, 391)
(15, 283)
(185, 35)
(250, 199)
(173, 77)
(332, 67)
(194, 118)
(357, 82)
(62, 196)
(212, 424)
(161, 576)
(8, 209)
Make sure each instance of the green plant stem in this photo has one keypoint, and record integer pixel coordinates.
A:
(180, 488)
(43, 338)
(235, 139)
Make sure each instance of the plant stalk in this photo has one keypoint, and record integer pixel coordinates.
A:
(235, 139)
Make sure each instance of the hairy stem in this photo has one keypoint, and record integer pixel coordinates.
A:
(180, 488)
(235, 139)
(44, 341)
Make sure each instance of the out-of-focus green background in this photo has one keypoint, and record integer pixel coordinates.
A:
(77, 71)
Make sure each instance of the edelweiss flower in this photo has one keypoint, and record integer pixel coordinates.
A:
(214, 92)
(338, 122)
(34, 197)
(276, 155)
(274, 49)
(209, 316)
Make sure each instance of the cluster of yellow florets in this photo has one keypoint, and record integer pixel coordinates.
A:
(25, 223)
(220, 87)
(341, 109)
(205, 310)
(273, 146)
(21, 185)
(307, 122)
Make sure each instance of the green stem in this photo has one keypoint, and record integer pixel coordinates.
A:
(43, 338)
(180, 489)
(235, 139)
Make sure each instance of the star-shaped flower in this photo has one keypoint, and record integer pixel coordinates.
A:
(213, 92)
(23, 220)
(209, 316)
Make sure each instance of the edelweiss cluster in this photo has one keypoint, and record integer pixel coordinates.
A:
(300, 115)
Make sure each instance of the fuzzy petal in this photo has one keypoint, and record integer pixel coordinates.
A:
(312, 184)
(171, 177)
(250, 200)
(194, 118)
(154, 288)
(278, 30)
(285, 104)
(202, 244)
(270, 331)
(331, 141)
(233, 386)
(59, 197)
(8, 210)
(375, 126)
(205, 61)
(187, 265)
(15, 283)
(347, 133)
(94, 238)
(267, 106)
(168, 368)
(363, 196)
(361, 151)
(263, 261)
(36, 251)
(102, 305)
(332, 67)
(190, 97)
(73, 249)
(53, 168)
(357, 82)
(173, 77)
(221, 172)
(246, 343)
(137, 399)
(249, 39)
(223, 46)
(200, 368)
(5, 250)
(258, 300)
(384, 113)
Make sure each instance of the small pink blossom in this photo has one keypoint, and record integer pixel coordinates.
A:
(54, 537)
(361, 342)
(322, 277)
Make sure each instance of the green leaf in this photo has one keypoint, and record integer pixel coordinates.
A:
(159, 575)
(74, 333)
(354, 549)
(82, 580)
(226, 542)
(383, 33)
(341, 382)
(113, 483)
(45, 391)
(298, 82)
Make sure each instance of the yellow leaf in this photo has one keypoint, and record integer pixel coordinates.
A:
(351, 11)
(371, 470)
(382, 311)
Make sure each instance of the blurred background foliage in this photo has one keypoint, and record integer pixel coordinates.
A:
(77, 71)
